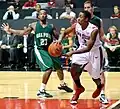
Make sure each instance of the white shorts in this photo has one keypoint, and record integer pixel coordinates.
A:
(93, 59)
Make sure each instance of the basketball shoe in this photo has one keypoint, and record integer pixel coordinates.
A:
(96, 93)
(103, 99)
(65, 87)
(43, 94)
(75, 97)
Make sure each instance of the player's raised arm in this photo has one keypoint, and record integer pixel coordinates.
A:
(70, 29)
(67, 32)
(5, 27)
(55, 33)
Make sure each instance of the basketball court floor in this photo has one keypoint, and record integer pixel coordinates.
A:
(18, 91)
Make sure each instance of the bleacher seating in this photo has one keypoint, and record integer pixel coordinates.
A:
(101, 12)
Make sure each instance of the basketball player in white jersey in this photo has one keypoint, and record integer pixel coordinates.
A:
(89, 51)
(88, 6)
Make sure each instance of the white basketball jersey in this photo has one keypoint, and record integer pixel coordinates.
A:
(84, 35)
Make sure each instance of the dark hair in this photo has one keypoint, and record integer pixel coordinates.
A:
(88, 1)
(87, 14)
(68, 5)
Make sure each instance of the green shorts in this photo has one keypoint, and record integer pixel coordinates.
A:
(45, 61)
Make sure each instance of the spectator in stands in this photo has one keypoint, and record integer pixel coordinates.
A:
(36, 13)
(17, 4)
(10, 14)
(20, 54)
(71, 3)
(30, 4)
(8, 50)
(113, 50)
(116, 13)
(68, 14)
(67, 44)
(51, 4)
(30, 51)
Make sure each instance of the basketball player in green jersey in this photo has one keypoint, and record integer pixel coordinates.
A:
(44, 33)
(88, 6)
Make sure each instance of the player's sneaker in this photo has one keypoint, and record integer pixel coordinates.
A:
(43, 94)
(103, 99)
(96, 93)
(75, 97)
(65, 87)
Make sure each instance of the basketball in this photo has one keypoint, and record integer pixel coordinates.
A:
(55, 49)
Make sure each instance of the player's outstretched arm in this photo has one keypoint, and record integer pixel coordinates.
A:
(55, 33)
(5, 27)
(67, 32)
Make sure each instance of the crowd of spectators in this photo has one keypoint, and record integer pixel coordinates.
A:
(113, 50)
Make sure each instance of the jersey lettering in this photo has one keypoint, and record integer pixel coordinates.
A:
(43, 42)
(43, 35)
(84, 35)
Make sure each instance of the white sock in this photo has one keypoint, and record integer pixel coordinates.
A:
(61, 82)
(43, 86)
(102, 92)
(106, 62)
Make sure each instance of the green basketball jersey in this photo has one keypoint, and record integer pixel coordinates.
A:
(96, 21)
(43, 36)
(65, 41)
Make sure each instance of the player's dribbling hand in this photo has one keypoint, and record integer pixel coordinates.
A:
(69, 54)
(57, 42)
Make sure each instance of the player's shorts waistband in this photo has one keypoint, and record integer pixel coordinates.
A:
(93, 48)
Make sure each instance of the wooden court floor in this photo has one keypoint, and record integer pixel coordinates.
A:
(18, 91)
